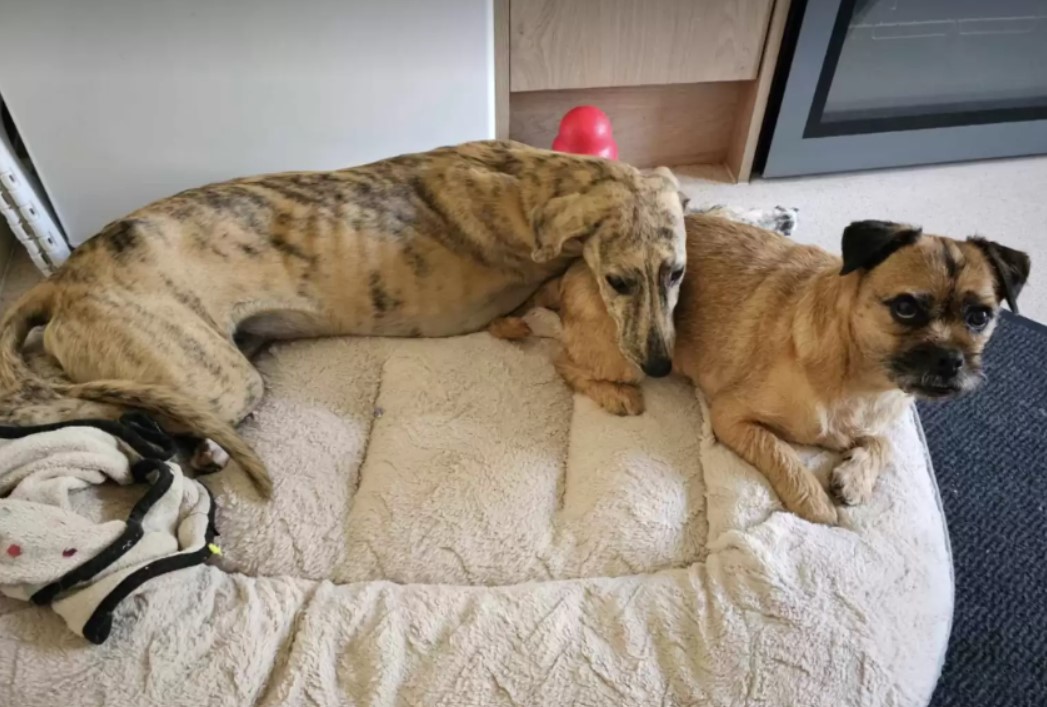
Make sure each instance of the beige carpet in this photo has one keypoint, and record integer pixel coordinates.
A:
(1001, 199)
(1005, 200)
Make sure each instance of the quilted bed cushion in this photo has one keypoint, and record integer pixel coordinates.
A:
(451, 526)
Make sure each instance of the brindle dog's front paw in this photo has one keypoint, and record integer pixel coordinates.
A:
(854, 477)
(618, 398)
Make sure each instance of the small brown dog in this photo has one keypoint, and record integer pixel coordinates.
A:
(790, 344)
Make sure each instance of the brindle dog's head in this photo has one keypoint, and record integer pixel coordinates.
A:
(928, 304)
(632, 237)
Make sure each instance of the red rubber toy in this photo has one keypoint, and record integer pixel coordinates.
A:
(586, 130)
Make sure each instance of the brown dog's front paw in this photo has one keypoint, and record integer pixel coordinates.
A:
(631, 400)
(817, 508)
(618, 398)
(509, 328)
(854, 477)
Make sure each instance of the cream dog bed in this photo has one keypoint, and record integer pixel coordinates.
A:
(451, 527)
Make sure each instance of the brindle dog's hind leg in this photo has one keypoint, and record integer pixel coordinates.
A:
(235, 402)
(166, 346)
(207, 457)
(250, 345)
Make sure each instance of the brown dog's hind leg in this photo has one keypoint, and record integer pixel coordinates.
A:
(854, 478)
(616, 397)
(797, 487)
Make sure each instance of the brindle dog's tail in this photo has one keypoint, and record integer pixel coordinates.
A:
(29, 312)
(181, 409)
(34, 309)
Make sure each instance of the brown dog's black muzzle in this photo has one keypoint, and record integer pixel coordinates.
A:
(943, 363)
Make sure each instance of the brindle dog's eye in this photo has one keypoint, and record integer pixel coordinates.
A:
(905, 308)
(619, 285)
(675, 276)
(977, 318)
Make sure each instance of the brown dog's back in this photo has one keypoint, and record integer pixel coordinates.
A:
(734, 271)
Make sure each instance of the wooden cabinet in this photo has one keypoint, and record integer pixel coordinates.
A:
(558, 44)
(684, 81)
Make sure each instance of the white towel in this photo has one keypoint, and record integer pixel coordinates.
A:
(82, 566)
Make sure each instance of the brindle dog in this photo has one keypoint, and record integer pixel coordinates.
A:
(146, 314)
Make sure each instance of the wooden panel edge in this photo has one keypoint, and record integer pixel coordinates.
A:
(753, 103)
(501, 69)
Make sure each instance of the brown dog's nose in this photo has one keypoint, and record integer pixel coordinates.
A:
(949, 362)
(658, 367)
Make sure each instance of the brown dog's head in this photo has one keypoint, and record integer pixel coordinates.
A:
(927, 304)
(632, 237)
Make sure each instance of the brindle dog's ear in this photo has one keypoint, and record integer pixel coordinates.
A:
(562, 220)
(866, 244)
(667, 174)
(1010, 269)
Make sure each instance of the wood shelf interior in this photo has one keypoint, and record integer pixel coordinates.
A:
(684, 83)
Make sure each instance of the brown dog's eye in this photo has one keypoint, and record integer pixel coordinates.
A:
(907, 310)
(675, 276)
(619, 285)
(977, 318)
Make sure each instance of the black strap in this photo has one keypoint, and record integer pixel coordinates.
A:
(97, 628)
(148, 439)
(133, 532)
(139, 431)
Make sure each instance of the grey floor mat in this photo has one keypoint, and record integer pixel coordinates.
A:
(990, 456)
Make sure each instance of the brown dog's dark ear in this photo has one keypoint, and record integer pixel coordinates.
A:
(1010, 269)
(866, 244)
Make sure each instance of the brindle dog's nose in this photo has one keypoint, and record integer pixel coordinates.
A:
(949, 362)
(658, 367)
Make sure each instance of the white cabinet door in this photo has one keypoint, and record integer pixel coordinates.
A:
(123, 101)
